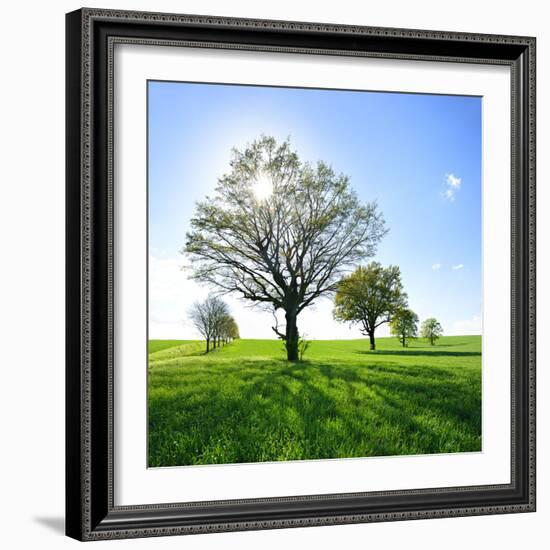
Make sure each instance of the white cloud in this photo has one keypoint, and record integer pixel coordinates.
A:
(457, 267)
(453, 181)
(467, 326)
(453, 184)
(436, 267)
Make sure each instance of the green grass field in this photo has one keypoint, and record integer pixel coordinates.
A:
(246, 403)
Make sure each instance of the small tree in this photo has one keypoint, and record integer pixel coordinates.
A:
(233, 329)
(369, 297)
(200, 318)
(431, 329)
(224, 331)
(404, 325)
(229, 329)
(303, 346)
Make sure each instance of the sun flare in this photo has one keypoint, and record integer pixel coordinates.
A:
(262, 187)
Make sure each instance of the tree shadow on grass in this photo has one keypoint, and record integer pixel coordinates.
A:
(440, 390)
(410, 371)
(417, 344)
(312, 410)
(449, 398)
(413, 353)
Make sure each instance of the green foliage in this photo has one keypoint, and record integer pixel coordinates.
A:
(279, 232)
(246, 403)
(431, 329)
(404, 325)
(369, 296)
(231, 329)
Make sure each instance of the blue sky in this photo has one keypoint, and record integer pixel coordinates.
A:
(417, 155)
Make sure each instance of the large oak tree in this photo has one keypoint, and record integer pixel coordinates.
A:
(280, 232)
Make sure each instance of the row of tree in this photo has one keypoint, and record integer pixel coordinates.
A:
(214, 322)
(280, 233)
(373, 295)
(404, 325)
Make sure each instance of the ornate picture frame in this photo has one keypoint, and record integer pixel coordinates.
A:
(91, 509)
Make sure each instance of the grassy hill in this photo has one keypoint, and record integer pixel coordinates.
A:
(246, 403)
(161, 345)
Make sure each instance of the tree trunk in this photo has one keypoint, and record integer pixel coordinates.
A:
(372, 343)
(403, 340)
(207, 345)
(291, 336)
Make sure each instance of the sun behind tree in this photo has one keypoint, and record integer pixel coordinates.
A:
(280, 232)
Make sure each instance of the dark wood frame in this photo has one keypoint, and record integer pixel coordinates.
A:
(90, 510)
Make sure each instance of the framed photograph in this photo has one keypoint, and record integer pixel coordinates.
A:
(300, 274)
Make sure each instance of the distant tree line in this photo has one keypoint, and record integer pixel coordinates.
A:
(214, 322)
